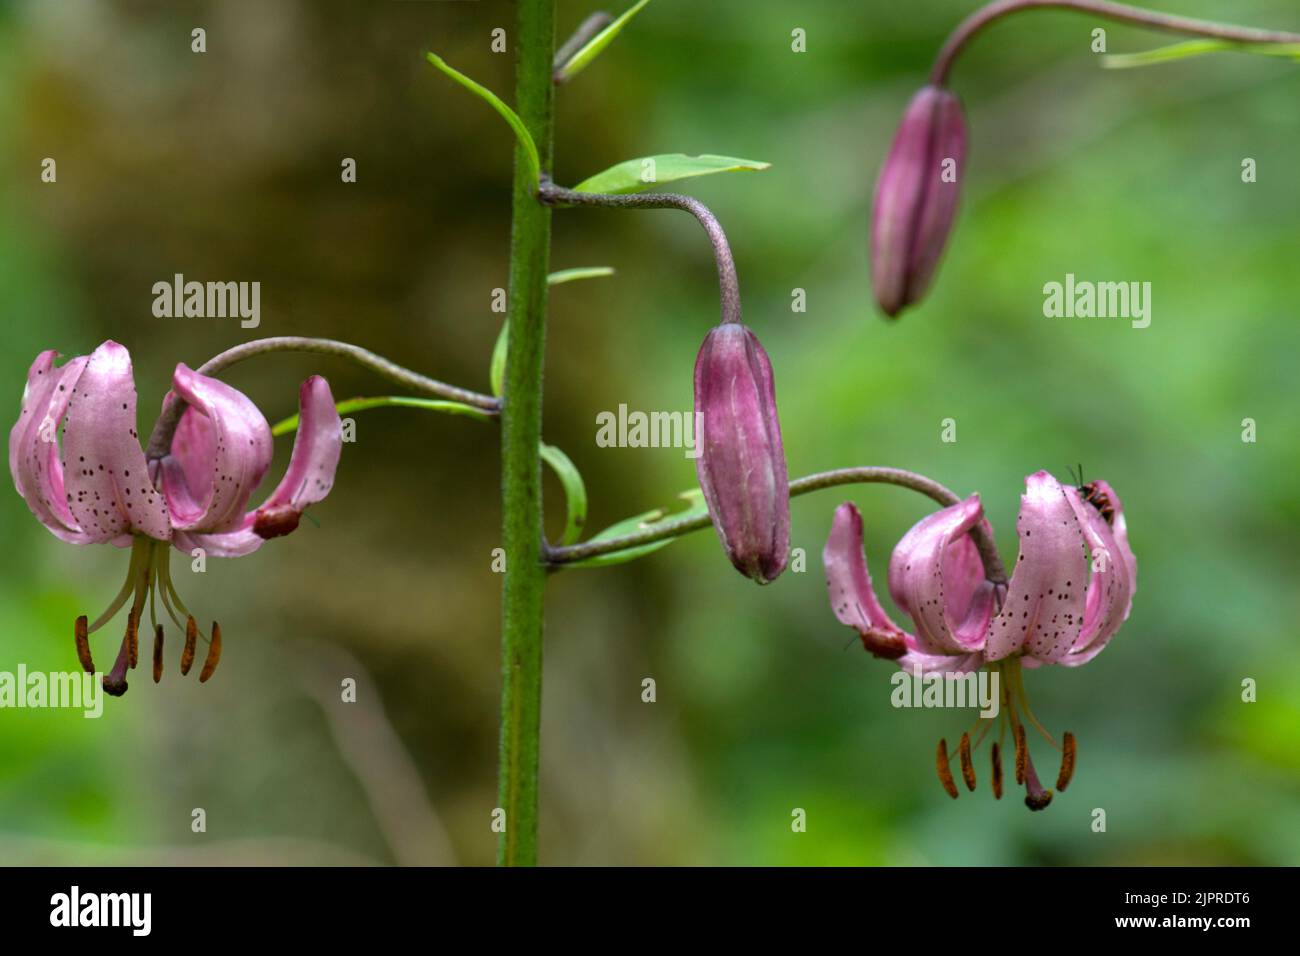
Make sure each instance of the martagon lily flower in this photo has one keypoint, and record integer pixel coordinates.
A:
(1071, 589)
(99, 488)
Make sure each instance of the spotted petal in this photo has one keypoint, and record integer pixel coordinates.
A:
(34, 460)
(316, 450)
(1044, 608)
(1114, 577)
(108, 490)
(936, 576)
(308, 479)
(1120, 528)
(852, 595)
(219, 454)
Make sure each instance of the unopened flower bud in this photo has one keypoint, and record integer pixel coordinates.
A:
(741, 462)
(916, 198)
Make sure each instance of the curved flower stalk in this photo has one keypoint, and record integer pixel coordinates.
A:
(1071, 589)
(99, 487)
(741, 465)
(918, 188)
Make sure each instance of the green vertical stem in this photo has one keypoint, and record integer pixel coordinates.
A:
(521, 475)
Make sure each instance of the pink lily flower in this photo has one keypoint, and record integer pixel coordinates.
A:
(99, 488)
(1071, 589)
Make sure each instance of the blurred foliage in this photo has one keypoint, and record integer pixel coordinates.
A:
(225, 165)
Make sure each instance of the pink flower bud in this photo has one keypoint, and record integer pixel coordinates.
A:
(741, 463)
(916, 198)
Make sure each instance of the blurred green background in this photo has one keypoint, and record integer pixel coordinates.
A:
(226, 166)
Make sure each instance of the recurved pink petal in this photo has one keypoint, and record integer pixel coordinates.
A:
(935, 575)
(308, 479)
(1110, 594)
(1120, 528)
(1043, 610)
(316, 450)
(108, 490)
(191, 459)
(848, 583)
(949, 664)
(34, 460)
(218, 456)
(223, 544)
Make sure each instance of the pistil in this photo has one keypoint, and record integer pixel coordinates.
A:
(1037, 797)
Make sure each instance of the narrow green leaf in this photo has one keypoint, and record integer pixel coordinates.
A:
(497, 367)
(290, 424)
(573, 275)
(575, 492)
(639, 522)
(638, 175)
(628, 525)
(596, 45)
(509, 115)
(1190, 48)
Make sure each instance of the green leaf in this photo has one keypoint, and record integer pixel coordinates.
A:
(641, 522)
(627, 177)
(575, 492)
(497, 367)
(1190, 48)
(290, 424)
(596, 45)
(573, 275)
(509, 115)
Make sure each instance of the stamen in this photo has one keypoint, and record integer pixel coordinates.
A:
(142, 586)
(167, 604)
(945, 774)
(157, 652)
(165, 577)
(1022, 754)
(967, 768)
(1018, 680)
(214, 654)
(1067, 761)
(153, 594)
(997, 772)
(133, 637)
(191, 640)
(83, 646)
(115, 680)
(159, 584)
(129, 586)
